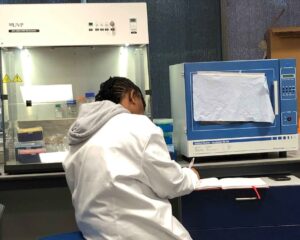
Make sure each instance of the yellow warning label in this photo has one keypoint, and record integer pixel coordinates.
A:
(17, 78)
(6, 79)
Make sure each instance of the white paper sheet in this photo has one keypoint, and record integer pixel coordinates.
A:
(52, 157)
(47, 93)
(230, 183)
(231, 97)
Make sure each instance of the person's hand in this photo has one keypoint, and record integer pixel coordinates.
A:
(196, 171)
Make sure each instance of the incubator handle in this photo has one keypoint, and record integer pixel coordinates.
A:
(275, 84)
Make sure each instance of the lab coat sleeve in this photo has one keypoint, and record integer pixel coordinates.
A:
(69, 171)
(163, 175)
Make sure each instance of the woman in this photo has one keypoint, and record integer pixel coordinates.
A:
(119, 170)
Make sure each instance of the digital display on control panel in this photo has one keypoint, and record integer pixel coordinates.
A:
(288, 75)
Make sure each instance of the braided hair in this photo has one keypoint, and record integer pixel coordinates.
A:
(115, 88)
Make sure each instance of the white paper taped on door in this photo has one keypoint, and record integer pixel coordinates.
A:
(231, 97)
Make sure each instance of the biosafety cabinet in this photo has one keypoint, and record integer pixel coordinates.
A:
(53, 59)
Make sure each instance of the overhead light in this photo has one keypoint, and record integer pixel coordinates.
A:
(47, 93)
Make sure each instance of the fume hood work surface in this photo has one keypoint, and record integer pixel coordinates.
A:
(53, 58)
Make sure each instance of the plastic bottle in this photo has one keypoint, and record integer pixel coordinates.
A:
(80, 99)
(71, 108)
(58, 111)
(89, 97)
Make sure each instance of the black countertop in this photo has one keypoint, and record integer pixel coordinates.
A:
(226, 166)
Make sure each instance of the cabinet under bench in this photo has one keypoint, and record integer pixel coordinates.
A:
(237, 214)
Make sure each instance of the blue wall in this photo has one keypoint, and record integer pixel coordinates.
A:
(244, 23)
(179, 31)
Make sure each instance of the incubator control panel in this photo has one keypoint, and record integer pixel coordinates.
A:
(288, 83)
(288, 88)
(288, 95)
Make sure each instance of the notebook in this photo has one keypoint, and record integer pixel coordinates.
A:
(230, 183)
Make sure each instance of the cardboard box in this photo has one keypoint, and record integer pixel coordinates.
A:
(284, 42)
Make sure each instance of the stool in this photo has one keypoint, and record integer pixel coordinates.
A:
(65, 236)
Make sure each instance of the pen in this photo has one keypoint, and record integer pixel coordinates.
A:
(191, 162)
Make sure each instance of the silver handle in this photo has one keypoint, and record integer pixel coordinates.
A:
(276, 97)
(246, 198)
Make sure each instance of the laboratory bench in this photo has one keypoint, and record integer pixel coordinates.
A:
(246, 165)
(35, 205)
(239, 214)
(39, 204)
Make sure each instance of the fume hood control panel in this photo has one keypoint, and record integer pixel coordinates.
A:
(26, 25)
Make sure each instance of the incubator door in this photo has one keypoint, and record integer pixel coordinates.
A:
(264, 114)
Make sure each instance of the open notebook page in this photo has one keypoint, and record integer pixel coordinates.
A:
(230, 183)
(208, 183)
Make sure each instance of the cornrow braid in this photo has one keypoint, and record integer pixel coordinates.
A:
(115, 88)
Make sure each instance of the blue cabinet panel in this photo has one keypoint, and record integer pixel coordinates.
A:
(215, 209)
(258, 233)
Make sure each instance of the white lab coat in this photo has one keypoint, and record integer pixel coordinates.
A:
(121, 179)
